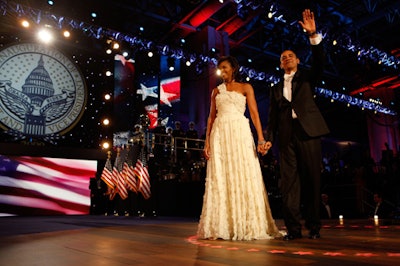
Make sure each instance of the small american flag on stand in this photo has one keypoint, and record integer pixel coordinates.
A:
(106, 175)
(141, 171)
(129, 172)
(118, 174)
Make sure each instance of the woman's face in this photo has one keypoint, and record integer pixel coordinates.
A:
(226, 70)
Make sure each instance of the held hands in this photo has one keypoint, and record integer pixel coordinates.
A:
(263, 147)
(308, 22)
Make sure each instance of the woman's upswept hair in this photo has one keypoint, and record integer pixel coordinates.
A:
(233, 62)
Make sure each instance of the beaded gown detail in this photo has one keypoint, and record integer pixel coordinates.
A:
(235, 202)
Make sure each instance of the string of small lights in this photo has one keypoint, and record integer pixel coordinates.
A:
(98, 32)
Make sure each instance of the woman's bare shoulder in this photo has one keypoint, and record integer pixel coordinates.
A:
(246, 88)
(214, 92)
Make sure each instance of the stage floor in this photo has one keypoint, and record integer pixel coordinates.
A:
(109, 240)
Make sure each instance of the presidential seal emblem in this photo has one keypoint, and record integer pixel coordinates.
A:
(42, 92)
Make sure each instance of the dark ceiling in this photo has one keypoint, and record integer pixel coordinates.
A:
(366, 31)
(369, 27)
(373, 25)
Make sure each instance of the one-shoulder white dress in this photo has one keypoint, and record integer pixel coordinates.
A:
(235, 202)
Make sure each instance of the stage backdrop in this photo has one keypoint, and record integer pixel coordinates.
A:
(145, 86)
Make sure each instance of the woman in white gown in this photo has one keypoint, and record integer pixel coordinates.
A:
(235, 203)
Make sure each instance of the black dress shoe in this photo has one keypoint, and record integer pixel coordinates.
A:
(291, 236)
(314, 235)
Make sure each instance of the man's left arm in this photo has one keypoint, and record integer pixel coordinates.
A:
(318, 57)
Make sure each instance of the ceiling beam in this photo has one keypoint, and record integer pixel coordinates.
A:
(366, 20)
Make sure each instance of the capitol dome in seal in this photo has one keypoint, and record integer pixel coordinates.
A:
(38, 85)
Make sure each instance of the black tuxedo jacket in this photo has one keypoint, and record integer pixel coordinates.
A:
(384, 211)
(308, 114)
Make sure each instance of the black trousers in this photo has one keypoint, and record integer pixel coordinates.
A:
(300, 164)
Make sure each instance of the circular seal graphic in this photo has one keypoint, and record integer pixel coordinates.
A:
(42, 92)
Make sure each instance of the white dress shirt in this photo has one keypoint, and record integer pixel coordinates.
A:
(287, 84)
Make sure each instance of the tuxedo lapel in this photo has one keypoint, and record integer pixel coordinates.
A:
(295, 82)
(279, 90)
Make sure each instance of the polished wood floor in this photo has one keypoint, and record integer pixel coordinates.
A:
(108, 240)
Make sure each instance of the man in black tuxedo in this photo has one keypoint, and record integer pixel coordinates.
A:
(381, 208)
(327, 210)
(296, 121)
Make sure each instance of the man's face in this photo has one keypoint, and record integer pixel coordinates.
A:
(377, 198)
(324, 197)
(289, 61)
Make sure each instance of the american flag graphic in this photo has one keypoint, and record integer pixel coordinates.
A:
(170, 91)
(45, 186)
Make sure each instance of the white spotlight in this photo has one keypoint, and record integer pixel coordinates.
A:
(25, 23)
(105, 145)
(45, 36)
(116, 46)
(66, 34)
